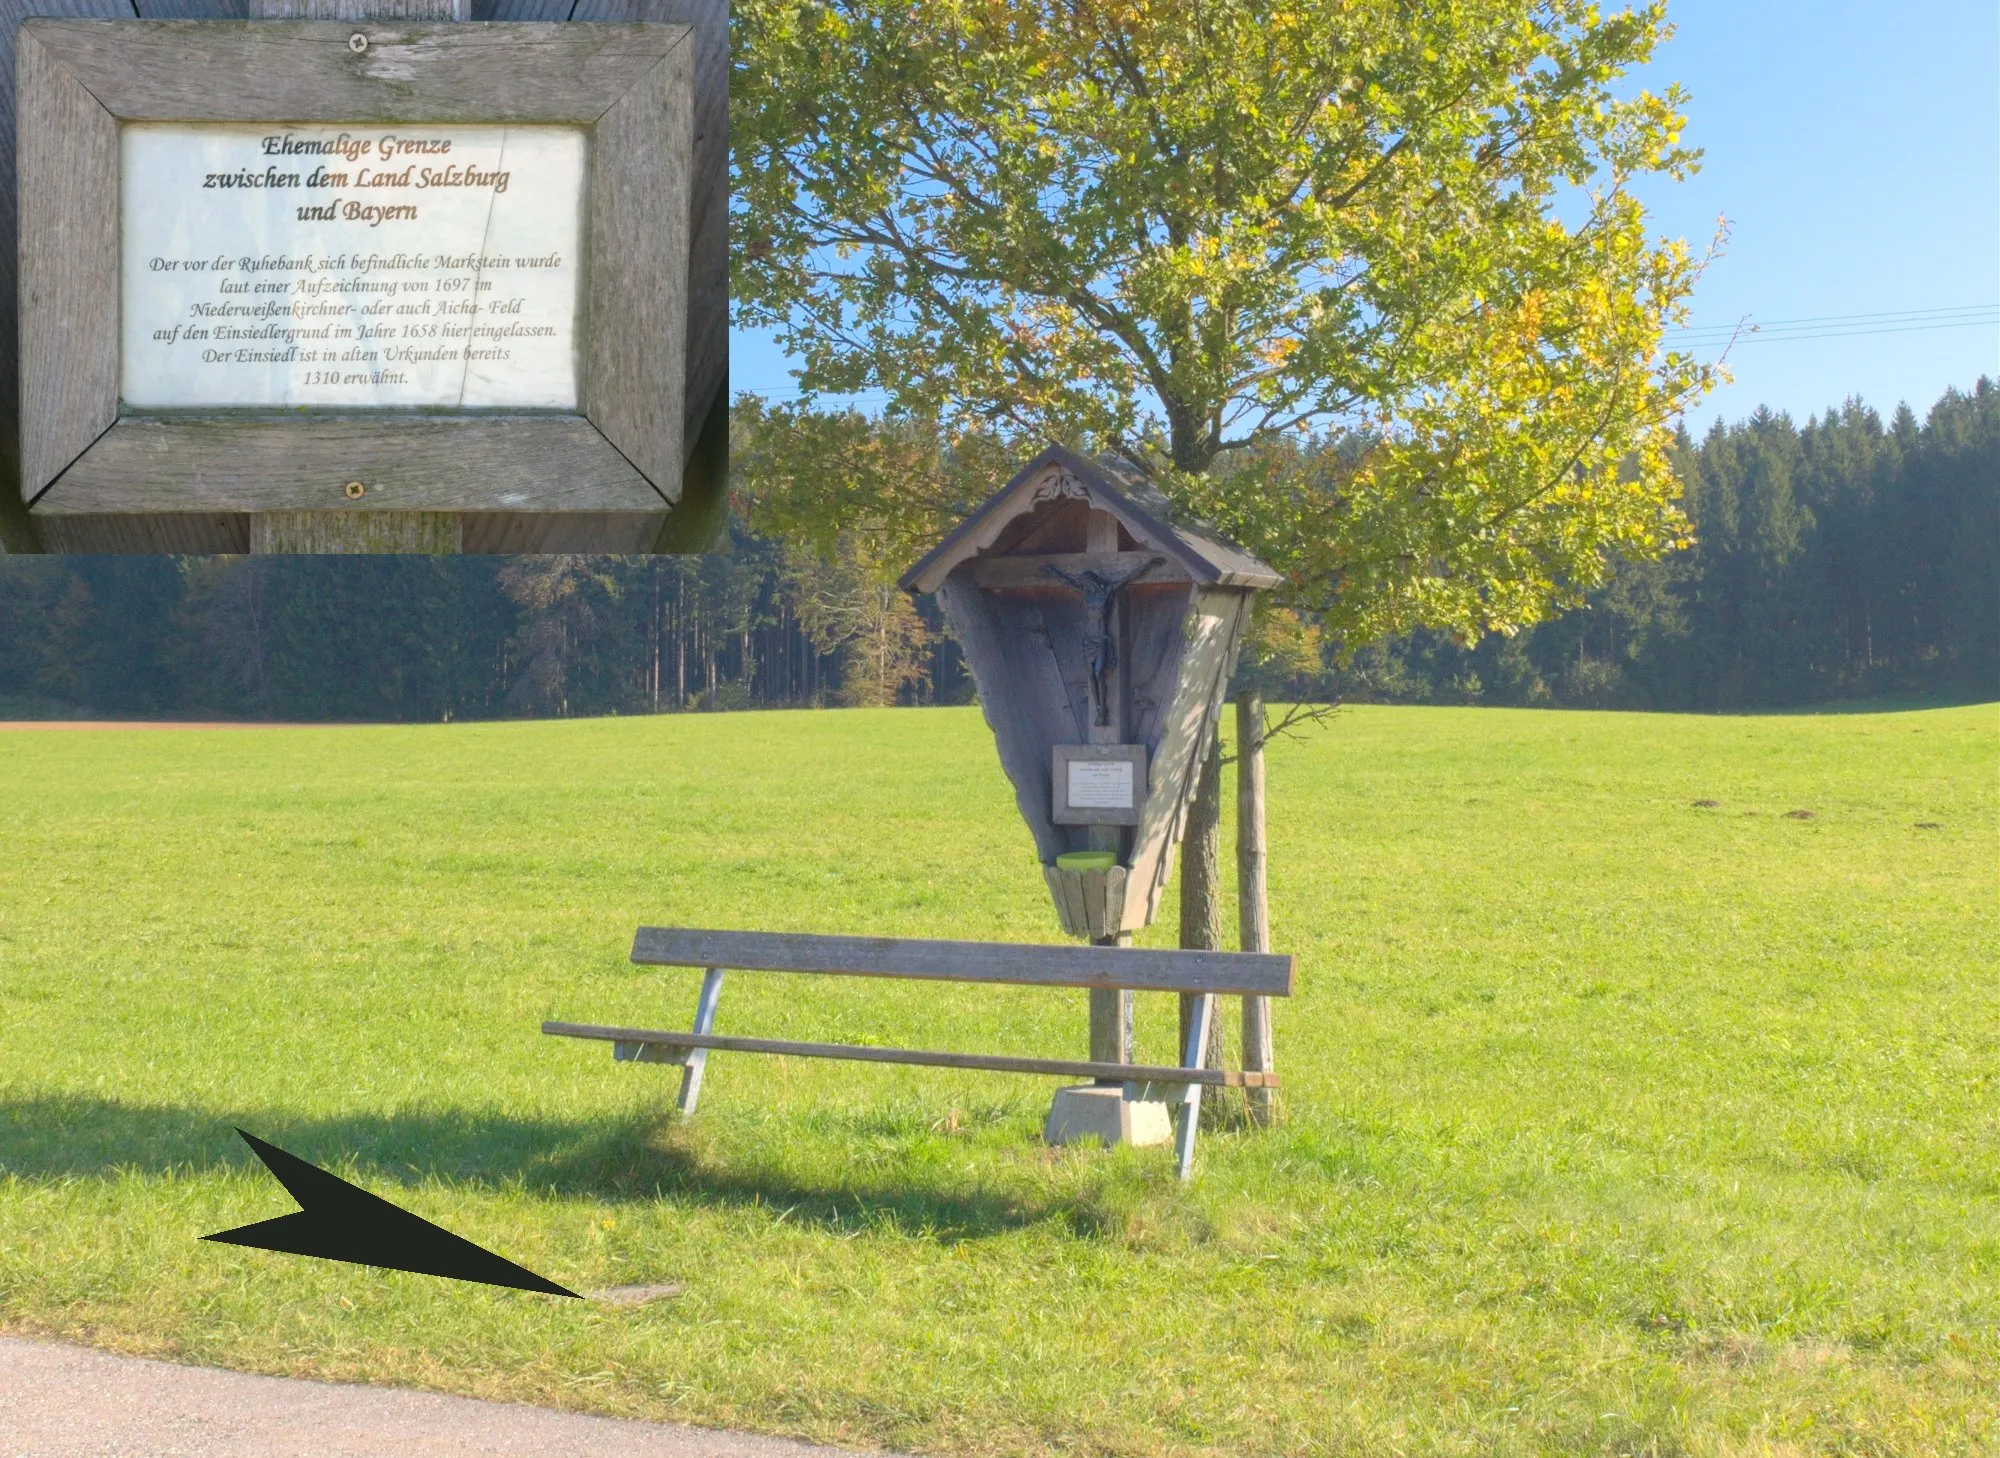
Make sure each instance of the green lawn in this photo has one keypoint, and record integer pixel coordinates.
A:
(1614, 1124)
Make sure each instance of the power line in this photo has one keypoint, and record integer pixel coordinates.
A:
(1857, 318)
(1842, 326)
(1861, 333)
(1816, 331)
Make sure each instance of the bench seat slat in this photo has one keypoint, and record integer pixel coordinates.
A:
(1246, 974)
(995, 1063)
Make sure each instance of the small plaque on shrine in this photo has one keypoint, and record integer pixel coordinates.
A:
(1098, 784)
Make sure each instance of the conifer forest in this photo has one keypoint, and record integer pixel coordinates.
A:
(1852, 557)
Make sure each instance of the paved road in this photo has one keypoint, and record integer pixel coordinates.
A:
(71, 1402)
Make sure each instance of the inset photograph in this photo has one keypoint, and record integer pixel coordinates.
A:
(448, 280)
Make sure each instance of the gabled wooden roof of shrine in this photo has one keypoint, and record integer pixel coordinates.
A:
(1108, 484)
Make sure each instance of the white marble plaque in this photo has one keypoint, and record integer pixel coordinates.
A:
(363, 265)
(1101, 784)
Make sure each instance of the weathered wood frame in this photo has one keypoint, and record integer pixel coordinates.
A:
(1062, 812)
(517, 480)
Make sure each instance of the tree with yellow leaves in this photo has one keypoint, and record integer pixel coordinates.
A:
(1203, 231)
(1365, 282)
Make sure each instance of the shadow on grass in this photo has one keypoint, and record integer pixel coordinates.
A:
(895, 1185)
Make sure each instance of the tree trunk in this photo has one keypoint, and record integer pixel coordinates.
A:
(653, 573)
(680, 643)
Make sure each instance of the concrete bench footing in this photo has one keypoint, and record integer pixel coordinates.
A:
(1096, 1111)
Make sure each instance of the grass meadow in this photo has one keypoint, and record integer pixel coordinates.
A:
(1615, 1123)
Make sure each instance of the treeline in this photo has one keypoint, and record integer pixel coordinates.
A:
(1845, 559)
(438, 638)
(1840, 560)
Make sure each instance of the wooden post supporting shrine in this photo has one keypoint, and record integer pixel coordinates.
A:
(1111, 1008)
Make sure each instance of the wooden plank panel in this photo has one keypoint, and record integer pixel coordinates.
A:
(1033, 672)
(636, 364)
(545, 10)
(68, 162)
(492, 532)
(1210, 632)
(1070, 909)
(1143, 969)
(506, 533)
(405, 463)
(1056, 625)
(1070, 925)
(173, 70)
(182, 9)
(357, 9)
(12, 507)
(1115, 881)
(199, 533)
(1152, 647)
(707, 379)
(427, 533)
(1023, 726)
(985, 1062)
(1093, 903)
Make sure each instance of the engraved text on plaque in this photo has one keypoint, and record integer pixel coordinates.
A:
(362, 265)
(1101, 784)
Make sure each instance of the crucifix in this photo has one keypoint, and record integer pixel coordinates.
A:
(1100, 634)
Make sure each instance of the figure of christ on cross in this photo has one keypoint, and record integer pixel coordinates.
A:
(1100, 644)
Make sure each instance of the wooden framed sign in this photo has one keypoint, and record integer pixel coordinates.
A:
(1098, 784)
(286, 274)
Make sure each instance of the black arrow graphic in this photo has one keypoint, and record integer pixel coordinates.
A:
(337, 1221)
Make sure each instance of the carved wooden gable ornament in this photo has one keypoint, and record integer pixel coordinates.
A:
(1101, 632)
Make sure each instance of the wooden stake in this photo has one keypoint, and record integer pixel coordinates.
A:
(1201, 881)
(1253, 909)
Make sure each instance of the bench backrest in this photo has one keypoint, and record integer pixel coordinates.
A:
(1250, 974)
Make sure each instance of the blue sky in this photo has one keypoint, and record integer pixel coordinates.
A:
(1854, 149)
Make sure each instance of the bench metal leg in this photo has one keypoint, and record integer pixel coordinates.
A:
(1190, 1099)
(697, 1058)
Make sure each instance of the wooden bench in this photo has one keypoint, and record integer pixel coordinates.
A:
(1200, 977)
